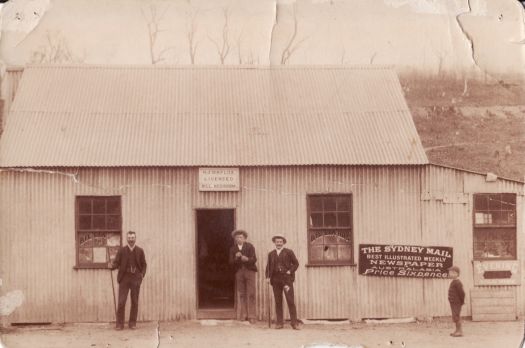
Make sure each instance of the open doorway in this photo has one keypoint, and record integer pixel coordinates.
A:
(215, 278)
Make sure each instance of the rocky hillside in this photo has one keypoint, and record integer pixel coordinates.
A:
(476, 126)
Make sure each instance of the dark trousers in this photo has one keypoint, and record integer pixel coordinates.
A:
(245, 284)
(129, 283)
(456, 311)
(278, 289)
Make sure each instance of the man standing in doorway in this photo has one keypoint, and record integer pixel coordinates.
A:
(243, 259)
(280, 272)
(131, 264)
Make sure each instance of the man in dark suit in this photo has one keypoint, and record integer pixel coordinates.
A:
(131, 264)
(242, 258)
(280, 272)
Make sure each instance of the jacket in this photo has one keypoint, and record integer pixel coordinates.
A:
(122, 258)
(248, 250)
(456, 295)
(290, 263)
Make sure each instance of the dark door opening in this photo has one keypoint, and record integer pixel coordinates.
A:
(215, 278)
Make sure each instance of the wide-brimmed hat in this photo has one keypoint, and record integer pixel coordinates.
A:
(236, 232)
(279, 236)
(454, 268)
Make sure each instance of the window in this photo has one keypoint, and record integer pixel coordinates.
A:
(494, 226)
(98, 230)
(330, 229)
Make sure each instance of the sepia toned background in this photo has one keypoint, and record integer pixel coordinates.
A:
(460, 64)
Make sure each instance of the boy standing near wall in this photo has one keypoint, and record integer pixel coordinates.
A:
(456, 297)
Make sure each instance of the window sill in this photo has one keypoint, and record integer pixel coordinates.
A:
(76, 268)
(494, 226)
(308, 265)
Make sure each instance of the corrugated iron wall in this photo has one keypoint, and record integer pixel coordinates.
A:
(392, 205)
(445, 218)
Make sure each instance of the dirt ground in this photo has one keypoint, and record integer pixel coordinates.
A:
(231, 334)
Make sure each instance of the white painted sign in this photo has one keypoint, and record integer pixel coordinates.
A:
(219, 179)
(497, 272)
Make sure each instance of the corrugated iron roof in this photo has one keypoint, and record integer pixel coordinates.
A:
(215, 116)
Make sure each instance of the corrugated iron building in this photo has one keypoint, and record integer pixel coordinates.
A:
(77, 136)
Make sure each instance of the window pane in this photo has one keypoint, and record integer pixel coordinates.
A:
(343, 204)
(84, 222)
(329, 204)
(99, 222)
(503, 218)
(99, 240)
(481, 202)
(113, 206)
(113, 222)
(84, 206)
(85, 240)
(331, 239)
(495, 202)
(316, 204)
(99, 206)
(330, 252)
(316, 239)
(330, 220)
(100, 255)
(495, 243)
(316, 253)
(345, 252)
(112, 251)
(316, 219)
(508, 201)
(113, 239)
(345, 236)
(85, 255)
(343, 220)
(479, 248)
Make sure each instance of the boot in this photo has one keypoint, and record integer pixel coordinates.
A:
(458, 332)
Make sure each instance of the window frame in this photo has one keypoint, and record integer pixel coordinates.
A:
(477, 227)
(321, 263)
(78, 199)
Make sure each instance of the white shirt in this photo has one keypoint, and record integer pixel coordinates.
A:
(132, 247)
(240, 246)
(278, 251)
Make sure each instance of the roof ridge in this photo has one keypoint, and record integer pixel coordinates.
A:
(210, 67)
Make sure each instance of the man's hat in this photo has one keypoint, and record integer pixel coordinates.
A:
(454, 268)
(278, 236)
(236, 232)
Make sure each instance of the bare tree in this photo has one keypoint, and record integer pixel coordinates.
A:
(343, 55)
(153, 19)
(292, 44)
(441, 55)
(190, 36)
(372, 58)
(239, 48)
(55, 50)
(222, 44)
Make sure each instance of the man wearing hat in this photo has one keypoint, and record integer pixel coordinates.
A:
(280, 272)
(243, 259)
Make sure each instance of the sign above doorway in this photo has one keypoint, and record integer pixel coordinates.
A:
(219, 179)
